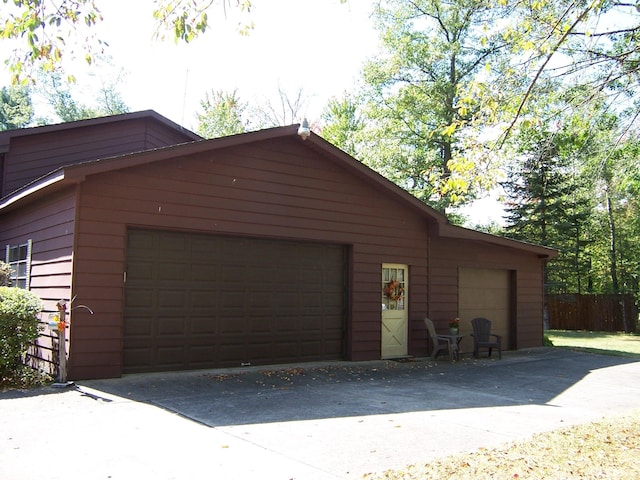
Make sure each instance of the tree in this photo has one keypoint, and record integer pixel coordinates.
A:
(288, 109)
(225, 113)
(615, 223)
(419, 102)
(16, 109)
(593, 43)
(59, 94)
(544, 201)
(222, 114)
(342, 123)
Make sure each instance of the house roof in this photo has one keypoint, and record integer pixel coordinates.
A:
(76, 173)
(7, 135)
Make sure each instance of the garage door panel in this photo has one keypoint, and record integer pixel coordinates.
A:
(172, 242)
(139, 297)
(171, 298)
(202, 273)
(231, 325)
(260, 299)
(170, 355)
(202, 299)
(143, 242)
(142, 356)
(175, 325)
(141, 271)
(200, 355)
(138, 326)
(202, 326)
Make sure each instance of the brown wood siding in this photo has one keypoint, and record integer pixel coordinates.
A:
(275, 189)
(448, 255)
(2, 155)
(33, 156)
(50, 225)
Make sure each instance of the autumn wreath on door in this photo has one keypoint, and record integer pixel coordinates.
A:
(394, 290)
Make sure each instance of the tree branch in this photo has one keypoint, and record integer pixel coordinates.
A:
(539, 72)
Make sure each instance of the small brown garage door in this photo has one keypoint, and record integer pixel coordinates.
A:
(485, 292)
(202, 301)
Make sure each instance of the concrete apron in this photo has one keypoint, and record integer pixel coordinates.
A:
(313, 421)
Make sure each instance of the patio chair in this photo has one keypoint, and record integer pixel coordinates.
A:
(441, 343)
(483, 338)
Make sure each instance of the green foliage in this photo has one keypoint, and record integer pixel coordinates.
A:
(614, 224)
(16, 110)
(597, 41)
(5, 274)
(46, 28)
(547, 203)
(222, 114)
(187, 19)
(225, 113)
(420, 107)
(60, 95)
(24, 376)
(19, 311)
(48, 31)
(343, 123)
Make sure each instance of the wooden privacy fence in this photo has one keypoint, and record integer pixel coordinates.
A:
(602, 313)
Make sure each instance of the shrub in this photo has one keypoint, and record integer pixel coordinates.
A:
(5, 273)
(19, 327)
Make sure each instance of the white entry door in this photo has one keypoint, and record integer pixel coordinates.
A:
(395, 319)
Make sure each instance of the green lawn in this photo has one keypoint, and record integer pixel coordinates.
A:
(622, 344)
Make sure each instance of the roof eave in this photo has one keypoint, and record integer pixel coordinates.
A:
(7, 135)
(44, 185)
(454, 231)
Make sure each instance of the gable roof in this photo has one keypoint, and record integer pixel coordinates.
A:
(7, 135)
(76, 173)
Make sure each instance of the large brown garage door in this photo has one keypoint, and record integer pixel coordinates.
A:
(202, 301)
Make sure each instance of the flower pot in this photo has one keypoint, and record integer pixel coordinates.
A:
(453, 331)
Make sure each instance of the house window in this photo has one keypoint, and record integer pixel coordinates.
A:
(19, 259)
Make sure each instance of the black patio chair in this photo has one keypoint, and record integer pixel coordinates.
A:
(441, 343)
(483, 338)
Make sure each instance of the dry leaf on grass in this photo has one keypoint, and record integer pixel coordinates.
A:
(609, 449)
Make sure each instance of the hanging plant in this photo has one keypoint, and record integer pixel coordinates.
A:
(394, 290)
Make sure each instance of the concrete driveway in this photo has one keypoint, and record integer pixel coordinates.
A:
(314, 421)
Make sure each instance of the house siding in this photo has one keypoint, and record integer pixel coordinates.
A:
(50, 225)
(32, 156)
(275, 189)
